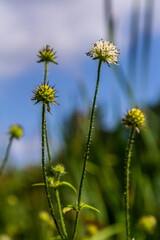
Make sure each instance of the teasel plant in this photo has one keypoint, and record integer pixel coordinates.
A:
(104, 52)
(46, 95)
(15, 132)
(134, 119)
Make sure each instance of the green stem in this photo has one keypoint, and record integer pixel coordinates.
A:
(45, 174)
(60, 213)
(45, 72)
(56, 191)
(87, 150)
(126, 194)
(48, 150)
(6, 155)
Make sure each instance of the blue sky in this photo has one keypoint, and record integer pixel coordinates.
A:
(70, 27)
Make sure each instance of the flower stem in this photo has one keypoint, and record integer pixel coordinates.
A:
(6, 156)
(45, 72)
(45, 175)
(48, 150)
(60, 213)
(87, 150)
(56, 190)
(126, 193)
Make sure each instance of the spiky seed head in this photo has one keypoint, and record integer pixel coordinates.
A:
(47, 55)
(45, 94)
(134, 118)
(105, 51)
(16, 131)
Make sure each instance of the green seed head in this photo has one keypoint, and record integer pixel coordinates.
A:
(45, 94)
(51, 181)
(47, 55)
(16, 131)
(59, 169)
(134, 118)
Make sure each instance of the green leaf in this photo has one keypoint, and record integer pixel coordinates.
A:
(67, 184)
(90, 207)
(67, 209)
(37, 184)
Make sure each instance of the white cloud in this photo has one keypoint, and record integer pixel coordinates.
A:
(29, 26)
(70, 25)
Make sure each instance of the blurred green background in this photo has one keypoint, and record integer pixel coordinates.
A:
(23, 208)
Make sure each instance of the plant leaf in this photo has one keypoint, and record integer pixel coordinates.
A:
(67, 184)
(90, 207)
(67, 209)
(37, 184)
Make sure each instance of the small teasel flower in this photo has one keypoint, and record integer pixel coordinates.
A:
(16, 131)
(134, 118)
(59, 169)
(105, 51)
(51, 181)
(47, 55)
(45, 94)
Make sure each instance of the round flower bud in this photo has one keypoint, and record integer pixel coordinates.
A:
(134, 118)
(51, 181)
(45, 94)
(105, 51)
(47, 55)
(59, 169)
(16, 131)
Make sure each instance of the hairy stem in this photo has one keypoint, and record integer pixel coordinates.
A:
(126, 193)
(45, 175)
(56, 191)
(6, 155)
(48, 150)
(87, 150)
(60, 213)
(45, 72)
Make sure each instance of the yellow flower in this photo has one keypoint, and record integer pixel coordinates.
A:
(134, 118)
(16, 131)
(105, 51)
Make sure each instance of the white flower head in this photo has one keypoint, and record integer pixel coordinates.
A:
(105, 51)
